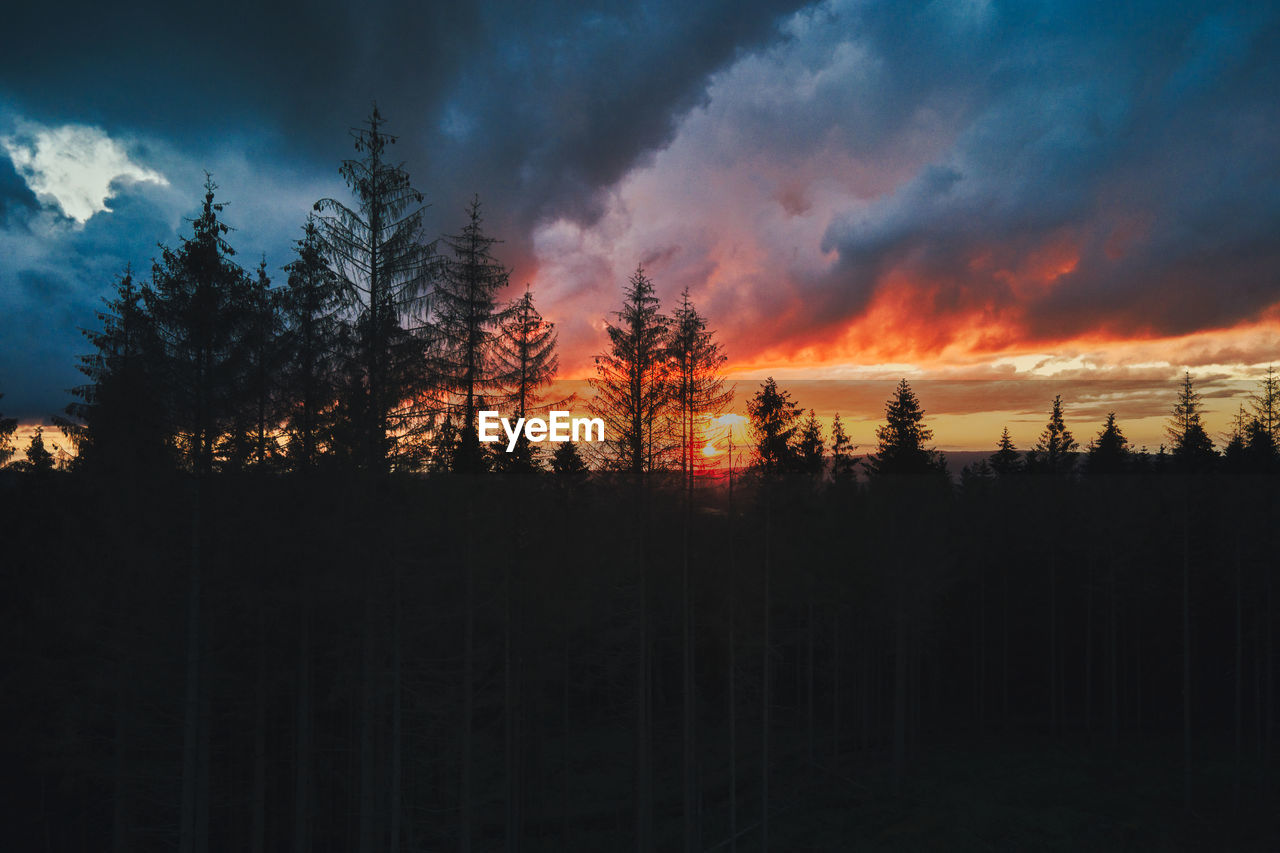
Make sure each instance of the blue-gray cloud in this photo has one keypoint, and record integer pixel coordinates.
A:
(539, 107)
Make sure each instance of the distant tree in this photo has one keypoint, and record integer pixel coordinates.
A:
(1190, 446)
(903, 438)
(525, 355)
(198, 302)
(377, 251)
(444, 447)
(7, 428)
(309, 348)
(1055, 452)
(774, 422)
(466, 326)
(697, 382)
(39, 461)
(1006, 460)
(1108, 453)
(843, 463)
(810, 446)
(566, 461)
(976, 477)
(632, 383)
(1234, 450)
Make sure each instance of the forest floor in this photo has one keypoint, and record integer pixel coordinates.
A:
(1029, 794)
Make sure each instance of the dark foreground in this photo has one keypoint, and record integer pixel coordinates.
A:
(333, 663)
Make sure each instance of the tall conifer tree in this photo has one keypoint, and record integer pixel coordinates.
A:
(377, 250)
(466, 325)
(526, 357)
(1055, 452)
(633, 382)
(697, 384)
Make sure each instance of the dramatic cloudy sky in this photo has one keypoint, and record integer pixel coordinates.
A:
(858, 190)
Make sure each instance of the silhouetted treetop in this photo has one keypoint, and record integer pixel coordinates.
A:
(903, 438)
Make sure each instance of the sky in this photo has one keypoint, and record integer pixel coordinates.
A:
(1000, 202)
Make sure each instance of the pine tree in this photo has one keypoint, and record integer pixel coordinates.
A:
(197, 301)
(902, 438)
(526, 355)
(843, 464)
(697, 384)
(466, 325)
(1190, 445)
(310, 348)
(775, 418)
(1109, 452)
(810, 446)
(1055, 452)
(1006, 460)
(632, 383)
(377, 251)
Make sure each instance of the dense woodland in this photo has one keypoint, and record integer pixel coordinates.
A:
(283, 598)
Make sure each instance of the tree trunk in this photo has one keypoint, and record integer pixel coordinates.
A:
(468, 688)
(644, 773)
(1186, 650)
(258, 835)
(808, 702)
(397, 627)
(733, 671)
(764, 683)
(187, 829)
(302, 771)
(368, 724)
(686, 600)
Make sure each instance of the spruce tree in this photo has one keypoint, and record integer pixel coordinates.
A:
(376, 249)
(466, 325)
(1190, 445)
(1006, 460)
(1266, 405)
(775, 420)
(566, 461)
(197, 301)
(525, 355)
(310, 345)
(1109, 452)
(810, 446)
(632, 383)
(697, 384)
(843, 463)
(38, 461)
(1055, 452)
(903, 438)
(117, 423)
(252, 439)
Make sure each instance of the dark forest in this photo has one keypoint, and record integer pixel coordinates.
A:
(284, 598)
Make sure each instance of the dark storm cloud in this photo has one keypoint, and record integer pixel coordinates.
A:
(1141, 142)
(537, 106)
